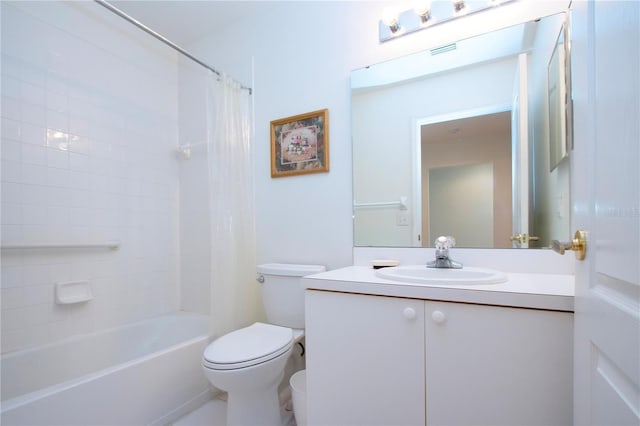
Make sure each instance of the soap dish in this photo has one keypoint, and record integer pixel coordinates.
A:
(384, 263)
(73, 292)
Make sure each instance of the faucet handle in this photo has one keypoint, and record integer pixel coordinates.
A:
(445, 242)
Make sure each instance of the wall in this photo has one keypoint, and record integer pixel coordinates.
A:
(88, 133)
(302, 54)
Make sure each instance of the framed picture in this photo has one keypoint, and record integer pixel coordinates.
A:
(300, 144)
(560, 105)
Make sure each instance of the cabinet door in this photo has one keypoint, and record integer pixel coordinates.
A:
(498, 365)
(365, 360)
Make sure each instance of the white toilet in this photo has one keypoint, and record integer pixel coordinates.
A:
(249, 363)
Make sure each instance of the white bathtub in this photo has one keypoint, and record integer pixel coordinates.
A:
(140, 374)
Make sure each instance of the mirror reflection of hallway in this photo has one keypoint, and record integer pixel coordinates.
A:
(477, 213)
(462, 201)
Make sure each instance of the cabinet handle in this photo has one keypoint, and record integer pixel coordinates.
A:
(409, 313)
(438, 317)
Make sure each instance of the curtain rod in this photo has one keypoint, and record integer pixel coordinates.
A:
(163, 39)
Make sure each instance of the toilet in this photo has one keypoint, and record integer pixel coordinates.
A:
(249, 363)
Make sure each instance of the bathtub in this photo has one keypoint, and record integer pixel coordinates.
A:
(144, 373)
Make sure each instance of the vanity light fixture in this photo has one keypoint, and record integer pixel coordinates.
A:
(427, 13)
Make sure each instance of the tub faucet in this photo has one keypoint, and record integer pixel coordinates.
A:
(443, 244)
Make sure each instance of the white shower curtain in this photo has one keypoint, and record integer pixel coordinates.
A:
(234, 291)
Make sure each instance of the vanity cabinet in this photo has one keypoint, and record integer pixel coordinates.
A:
(495, 365)
(379, 360)
(365, 360)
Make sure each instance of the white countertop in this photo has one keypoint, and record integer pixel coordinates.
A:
(525, 290)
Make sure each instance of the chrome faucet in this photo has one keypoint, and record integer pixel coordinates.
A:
(443, 244)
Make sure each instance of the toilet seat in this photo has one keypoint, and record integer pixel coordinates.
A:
(248, 346)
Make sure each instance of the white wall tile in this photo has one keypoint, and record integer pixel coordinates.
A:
(12, 233)
(34, 114)
(59, 272)
(38, 294)
(57, 101)
(58, 196)
(34, 154)
(58, 216)
(11, 150)
(31, 194)
(57, 158)
(57, 177)
(32, 93)
(59, 330)
(79, 144)
(11, 108)
(11, 171)
(57, 120)
(11, 71)
(78, 162)
(12, 297)
(11, 129)
(34, 174)
(85, 158)
(36, 274)
(12, 276)
(34, 215)
(24, 338)
(11, 213)
(33, 134)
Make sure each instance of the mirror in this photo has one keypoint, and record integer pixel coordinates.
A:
(459, 140)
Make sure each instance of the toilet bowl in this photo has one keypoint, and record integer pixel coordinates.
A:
(249, 363)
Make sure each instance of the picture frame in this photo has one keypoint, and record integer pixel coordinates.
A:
(300, 144)
(560, 107)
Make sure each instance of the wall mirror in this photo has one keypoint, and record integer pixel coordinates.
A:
(456, 141)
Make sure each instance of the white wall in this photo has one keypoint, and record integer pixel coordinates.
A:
(303, 53)
(72, 69)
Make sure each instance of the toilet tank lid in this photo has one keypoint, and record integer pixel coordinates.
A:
(289, 269)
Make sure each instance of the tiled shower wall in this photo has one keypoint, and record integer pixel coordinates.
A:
(89, 130)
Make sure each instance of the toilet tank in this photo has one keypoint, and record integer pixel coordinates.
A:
(283, 292)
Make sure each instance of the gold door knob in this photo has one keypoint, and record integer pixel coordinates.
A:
(578, 245)
(524, 238)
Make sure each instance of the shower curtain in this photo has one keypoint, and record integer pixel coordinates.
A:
(234, 291)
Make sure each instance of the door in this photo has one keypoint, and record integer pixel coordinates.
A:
(606, 187)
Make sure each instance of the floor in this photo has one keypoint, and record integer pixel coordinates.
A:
(214, 412)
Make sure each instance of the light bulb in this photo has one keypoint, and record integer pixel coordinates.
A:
(423, 9)
(390, 19)
(459, 7)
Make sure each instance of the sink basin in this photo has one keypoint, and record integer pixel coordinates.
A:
(422, 275)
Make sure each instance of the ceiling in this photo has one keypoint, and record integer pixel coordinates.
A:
(467, 128)
(185, 21)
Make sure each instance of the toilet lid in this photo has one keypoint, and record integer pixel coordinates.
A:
(248, 346)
